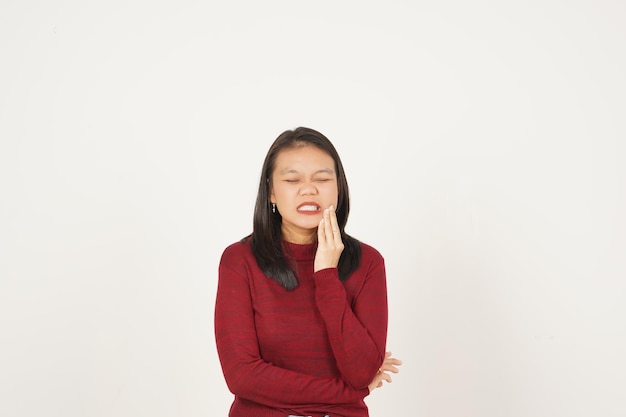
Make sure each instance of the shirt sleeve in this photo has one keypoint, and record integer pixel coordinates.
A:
(246, 373)
(358, 330)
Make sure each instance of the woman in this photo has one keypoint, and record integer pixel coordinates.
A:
(301, 308)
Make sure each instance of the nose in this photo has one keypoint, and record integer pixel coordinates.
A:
(308, 188)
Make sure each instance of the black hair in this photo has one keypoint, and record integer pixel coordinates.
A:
(266, 237)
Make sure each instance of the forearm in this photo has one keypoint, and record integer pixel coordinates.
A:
(357, 332)
(270, 385)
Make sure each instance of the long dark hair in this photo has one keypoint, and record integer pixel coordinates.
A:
(266, 238)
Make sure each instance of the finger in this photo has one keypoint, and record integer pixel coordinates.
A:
(328, 227)
(321, 235)
(385, 377)
(389, 359)
(334, 224)
(390, 368)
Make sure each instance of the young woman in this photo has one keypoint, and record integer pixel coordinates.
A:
(301, 308)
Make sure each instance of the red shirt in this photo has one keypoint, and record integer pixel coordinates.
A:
(310, 351)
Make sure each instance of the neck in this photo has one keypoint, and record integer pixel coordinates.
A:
(299, 236)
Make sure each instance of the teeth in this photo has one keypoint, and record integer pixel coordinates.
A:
(308, 208)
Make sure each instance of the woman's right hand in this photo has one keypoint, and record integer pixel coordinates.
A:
(389, 365)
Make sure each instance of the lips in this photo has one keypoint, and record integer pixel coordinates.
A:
(309, 208)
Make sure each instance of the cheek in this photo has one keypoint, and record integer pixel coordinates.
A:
(280, 193)
(332, 193)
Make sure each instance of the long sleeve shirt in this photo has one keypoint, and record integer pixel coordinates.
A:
(310, 351)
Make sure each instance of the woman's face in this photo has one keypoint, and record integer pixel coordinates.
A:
(304, 183)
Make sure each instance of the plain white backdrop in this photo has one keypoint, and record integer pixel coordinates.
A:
(484, 144)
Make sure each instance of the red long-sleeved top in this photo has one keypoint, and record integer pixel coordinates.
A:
(310, 351)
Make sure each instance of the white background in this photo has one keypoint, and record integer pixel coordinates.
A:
(484, 143)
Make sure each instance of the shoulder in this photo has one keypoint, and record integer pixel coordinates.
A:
(371, 269)
(369, 253)
(370, 259)
(236, 252)
(238, 259)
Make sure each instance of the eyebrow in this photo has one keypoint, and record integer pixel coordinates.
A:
(294, 171)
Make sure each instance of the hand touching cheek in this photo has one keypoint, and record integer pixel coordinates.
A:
(329, 243)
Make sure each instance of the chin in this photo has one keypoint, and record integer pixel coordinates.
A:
(310, 224)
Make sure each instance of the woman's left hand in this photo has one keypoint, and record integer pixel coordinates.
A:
(389, 365)
(329, 243)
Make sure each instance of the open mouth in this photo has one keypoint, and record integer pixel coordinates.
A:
(309, 208)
